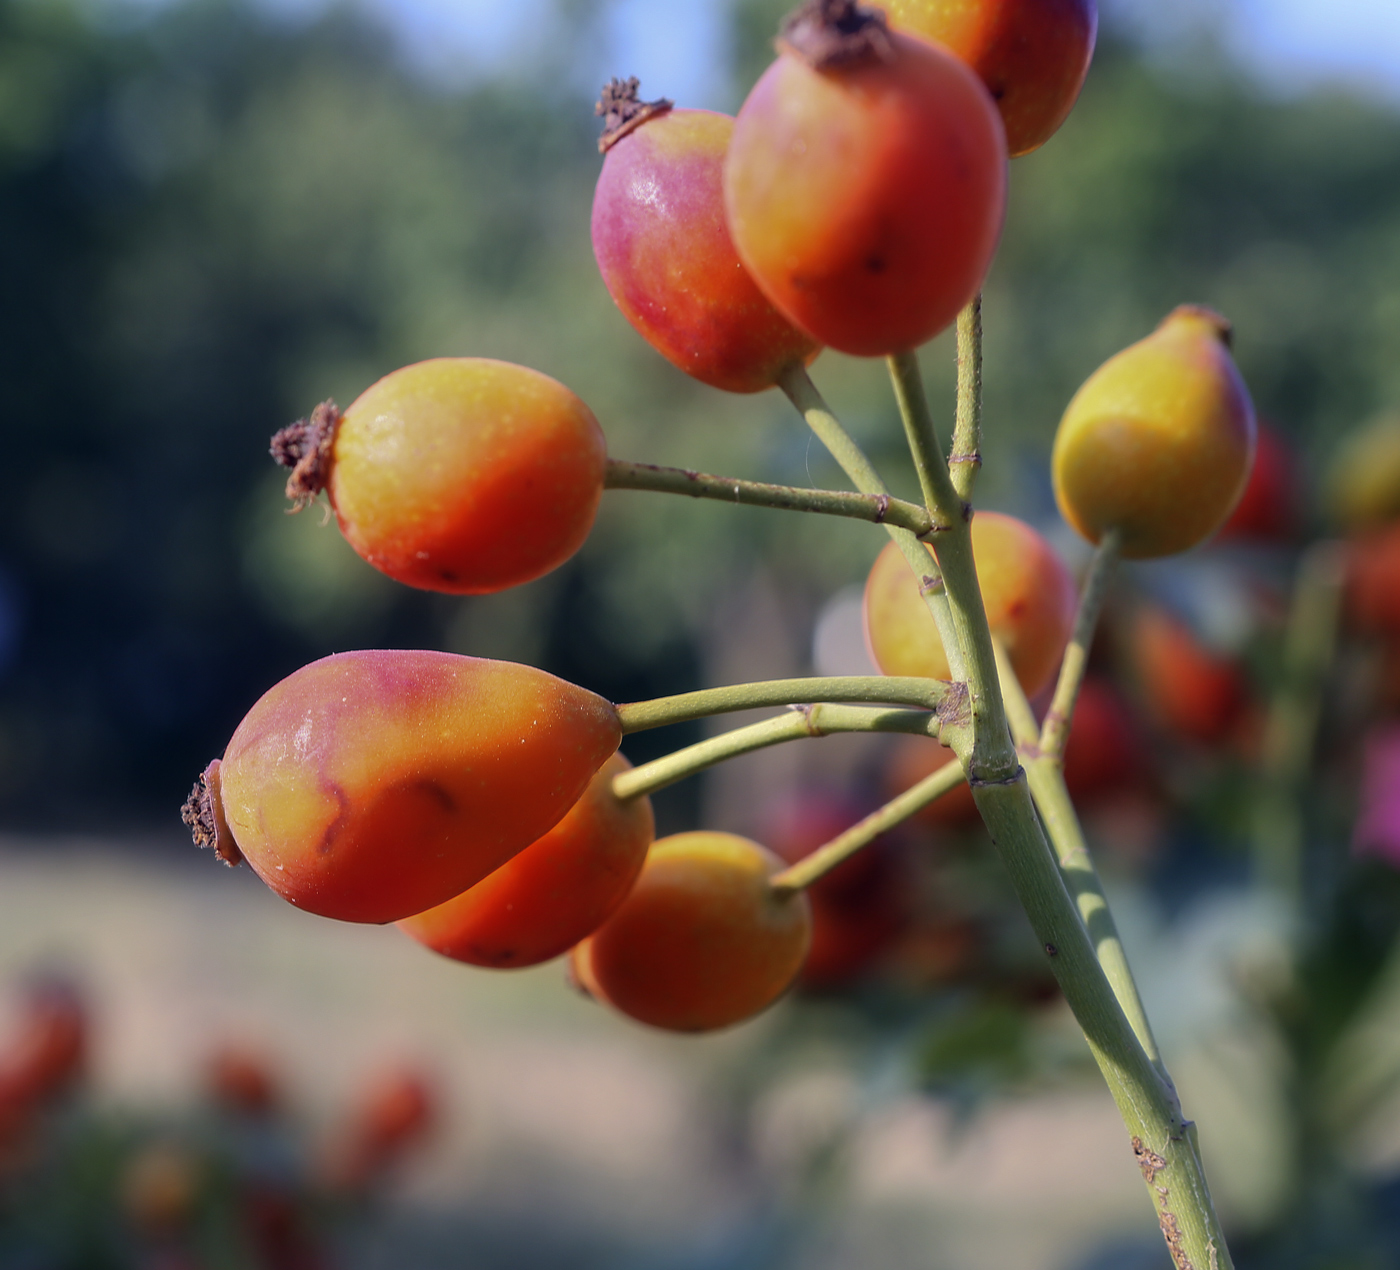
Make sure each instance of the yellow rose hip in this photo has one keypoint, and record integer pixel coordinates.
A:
(1159, 441)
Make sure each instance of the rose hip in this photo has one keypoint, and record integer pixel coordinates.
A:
(369, 786)
(664, 250)
(558, 890)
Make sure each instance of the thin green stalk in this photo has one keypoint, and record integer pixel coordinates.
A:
(1045, 774)
(821, 719)
(879, 509)
(965, 461)
(994, 757)
(841, 848)
(946, 700)
(1056, 730)
(1291, 727)
(803, 394)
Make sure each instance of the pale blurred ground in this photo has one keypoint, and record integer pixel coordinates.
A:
(574, 1137)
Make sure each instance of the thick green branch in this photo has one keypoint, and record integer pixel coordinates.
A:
(1076, 661)
(841, 848)
(965, 461)
(821, 719)
(803, 394)
(879, 509)
(946, 700)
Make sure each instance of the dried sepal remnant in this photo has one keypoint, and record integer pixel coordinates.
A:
(830, 33)
(305, 447)
(622, 110)
(203, 814)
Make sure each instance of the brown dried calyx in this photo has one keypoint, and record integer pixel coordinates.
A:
(305, 447)
(831, 33)
(622, 111)
(203, 814)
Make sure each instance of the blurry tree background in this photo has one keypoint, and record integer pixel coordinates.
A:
(211, 218)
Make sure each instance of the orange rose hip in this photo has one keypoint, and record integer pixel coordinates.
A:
(702, 941)
(459, 474)
(558, 890)
(865, 183)
(1028, 592)
(370, 786)
(1032, 55)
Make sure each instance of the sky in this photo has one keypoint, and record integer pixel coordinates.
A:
(678, 46)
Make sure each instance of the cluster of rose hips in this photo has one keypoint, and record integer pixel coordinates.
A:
(855, 203)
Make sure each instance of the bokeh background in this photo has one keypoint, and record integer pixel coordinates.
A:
(214, 214)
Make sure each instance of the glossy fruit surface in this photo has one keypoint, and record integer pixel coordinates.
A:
(559, 889)
(867, 199)
(702, 941)
(1028, 592)
(1364, 483)
(1032, 55)
(1159, 440)
(1191, 690)
(664, 250)
(1270, 508)
(369, 786)
(466, 475)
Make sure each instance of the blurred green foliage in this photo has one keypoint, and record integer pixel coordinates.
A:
(210, 220)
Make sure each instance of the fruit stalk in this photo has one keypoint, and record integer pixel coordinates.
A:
(825, 858)
(965, 461)
(879, 509)
(821, 719)
(1056, 730)
(803, 394)
(946, 700)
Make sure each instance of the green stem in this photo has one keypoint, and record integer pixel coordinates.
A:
(1163, 1142)
(879, 509)
(994, 754)
(1045, 774)
(965, 461)
(1056, 730)
(821, 719)
(803, 394)
(1309, 644)
(946, 700)
(841, 848)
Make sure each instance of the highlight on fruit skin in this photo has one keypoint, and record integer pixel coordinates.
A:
(702, 941)
(865, 184)
(1032, 55)
(370, 786)
(1028, 592)
(460, 474)
(664, 250)
(1158, 441)
(557, 891)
